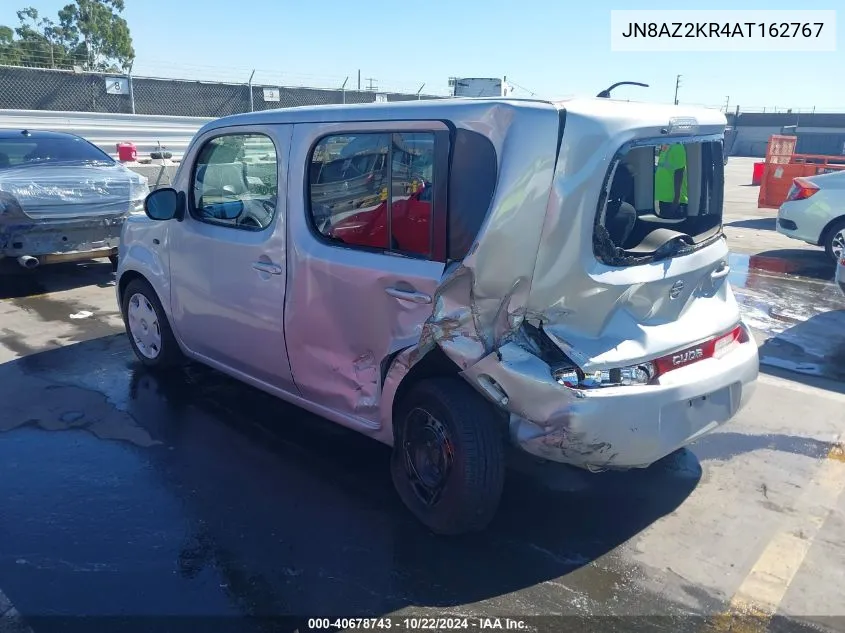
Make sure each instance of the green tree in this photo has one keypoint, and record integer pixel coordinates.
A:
(9, 53)
(89, 33)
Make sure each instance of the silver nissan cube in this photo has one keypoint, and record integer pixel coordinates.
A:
(453, 276)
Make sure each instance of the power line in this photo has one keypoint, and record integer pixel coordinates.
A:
(523, 88)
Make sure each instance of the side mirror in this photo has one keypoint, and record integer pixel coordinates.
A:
(162, 204)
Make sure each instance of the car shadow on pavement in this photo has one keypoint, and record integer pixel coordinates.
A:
(18, 284)
(768, 224)
(540, 533)
(299, 514)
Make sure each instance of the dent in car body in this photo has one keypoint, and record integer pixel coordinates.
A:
(531, 264)
(538, 265)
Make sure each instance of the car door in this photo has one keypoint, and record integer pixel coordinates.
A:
(367, 252)
(228, 269)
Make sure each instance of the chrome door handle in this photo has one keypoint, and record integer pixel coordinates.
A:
(267, 267)
(408, 295)
(724, 271)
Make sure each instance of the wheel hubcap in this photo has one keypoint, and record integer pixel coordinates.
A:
(838, 244)
(143, 326)
(428, 455)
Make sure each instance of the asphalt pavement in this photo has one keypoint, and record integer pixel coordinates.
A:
(192, 500)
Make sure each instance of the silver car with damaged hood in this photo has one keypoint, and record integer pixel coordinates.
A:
(61, 198)
(453, 275)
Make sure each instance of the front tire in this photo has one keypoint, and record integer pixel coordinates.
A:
(149, 331)
(834, 243)
(448, 462)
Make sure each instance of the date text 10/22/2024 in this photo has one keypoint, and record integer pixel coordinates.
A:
(417, 624)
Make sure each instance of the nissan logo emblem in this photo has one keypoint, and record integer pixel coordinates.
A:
(676, 289)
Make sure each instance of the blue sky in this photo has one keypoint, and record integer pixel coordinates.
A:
(543, 46)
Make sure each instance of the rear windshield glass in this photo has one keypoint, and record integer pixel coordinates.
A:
(660, 201)
(25, 151)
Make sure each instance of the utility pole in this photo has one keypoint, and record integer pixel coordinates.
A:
(727, 104)
(677, 85)
(371, 87)
(359, 80)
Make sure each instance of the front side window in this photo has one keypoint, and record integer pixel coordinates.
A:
(660, 201)
(235, 182)
(375, 190)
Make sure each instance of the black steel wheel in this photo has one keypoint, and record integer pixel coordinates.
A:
(448, 456)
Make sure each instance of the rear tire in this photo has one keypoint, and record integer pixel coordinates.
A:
(147, 327)
(448, 462)
(834, 241)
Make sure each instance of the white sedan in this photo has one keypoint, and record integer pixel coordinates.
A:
(814, 212)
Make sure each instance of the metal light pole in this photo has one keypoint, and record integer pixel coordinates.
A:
(251, 105)
(419, 92)
(131, 87)
(677, 85)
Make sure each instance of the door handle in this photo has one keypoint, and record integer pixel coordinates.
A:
(408, 295)
(724, 271)
(267, 267)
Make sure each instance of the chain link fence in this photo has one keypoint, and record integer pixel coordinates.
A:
(64, 90)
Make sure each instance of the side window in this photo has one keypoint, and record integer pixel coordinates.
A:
(235, 182)
(471, 187)
(375, 190)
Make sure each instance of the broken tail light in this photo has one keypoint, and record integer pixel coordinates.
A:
(575, 378)
(801, 189)
(646, 372)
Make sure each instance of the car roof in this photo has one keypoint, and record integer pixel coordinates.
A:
(612, 112)
(7, 134)
(373, 111)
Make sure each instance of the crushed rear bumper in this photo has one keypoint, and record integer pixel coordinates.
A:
(60, 240)
(619, 427)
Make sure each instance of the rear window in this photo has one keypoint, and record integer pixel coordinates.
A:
(660, 201)
(25, 151)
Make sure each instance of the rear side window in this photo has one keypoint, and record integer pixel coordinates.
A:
(377, 190)
(471, 185)
(660, 201)
(27, 151)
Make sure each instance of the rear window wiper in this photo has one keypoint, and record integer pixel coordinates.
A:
(676, 246)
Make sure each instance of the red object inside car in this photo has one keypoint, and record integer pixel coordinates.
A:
(410, 224)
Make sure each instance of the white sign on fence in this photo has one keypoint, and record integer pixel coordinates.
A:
(381, 98)
(117, 86)
(271, 94)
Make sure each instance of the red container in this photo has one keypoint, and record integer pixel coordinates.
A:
(127, 152)
(757, 175)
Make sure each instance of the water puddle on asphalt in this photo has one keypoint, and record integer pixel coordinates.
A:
(798, 311)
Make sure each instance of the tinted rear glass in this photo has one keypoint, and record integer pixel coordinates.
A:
(25, 151)
(471, 188)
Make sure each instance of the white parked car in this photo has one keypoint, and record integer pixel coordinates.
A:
(814, 212)
(448, 276)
